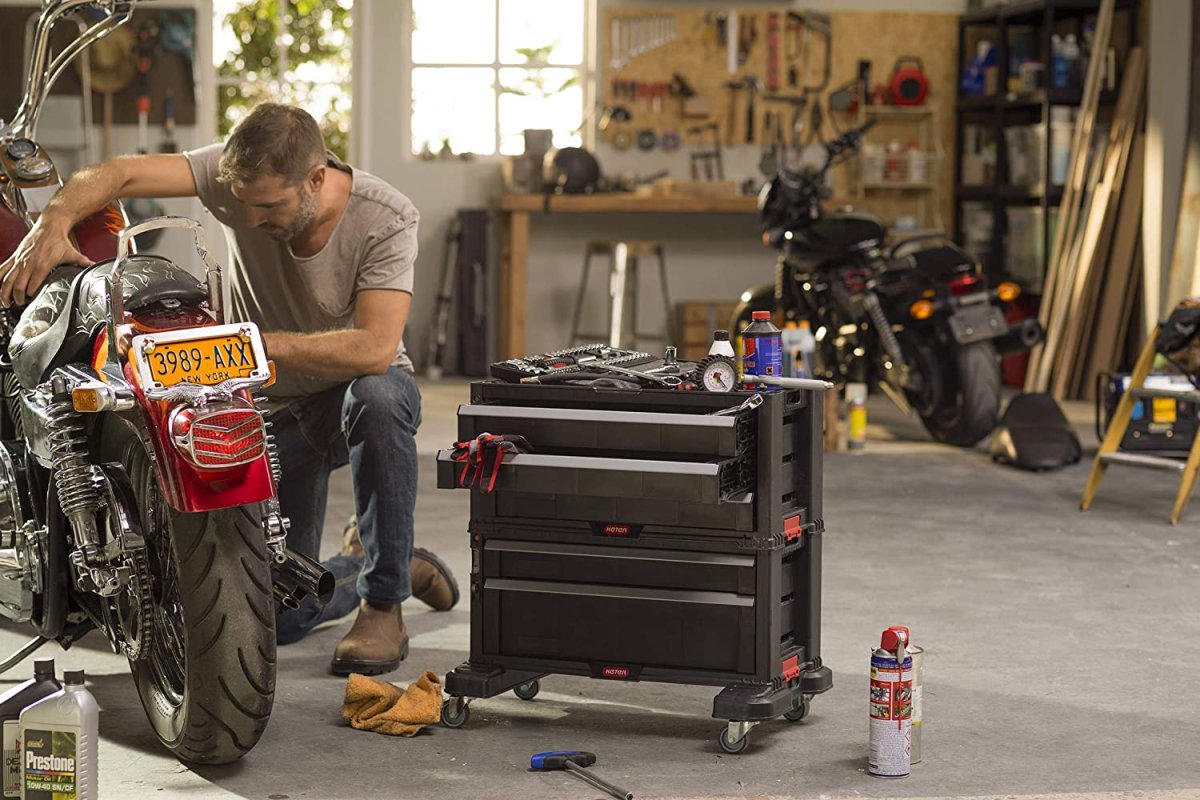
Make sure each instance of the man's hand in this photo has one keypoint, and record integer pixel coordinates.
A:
(47, 246)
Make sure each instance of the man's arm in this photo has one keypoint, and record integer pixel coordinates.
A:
(366, 349)
(48, 245)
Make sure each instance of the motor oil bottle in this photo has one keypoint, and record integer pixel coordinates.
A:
(762, 350)
(59, 737)
(12, 703)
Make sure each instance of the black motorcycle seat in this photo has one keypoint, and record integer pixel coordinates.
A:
(47, 338)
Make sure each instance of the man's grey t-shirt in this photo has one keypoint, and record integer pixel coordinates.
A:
(373, 246)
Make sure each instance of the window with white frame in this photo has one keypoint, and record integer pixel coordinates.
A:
(286, 51)
(485, 70)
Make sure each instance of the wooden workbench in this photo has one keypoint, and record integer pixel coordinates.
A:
(515, 211)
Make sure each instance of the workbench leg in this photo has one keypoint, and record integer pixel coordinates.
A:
(514, 274)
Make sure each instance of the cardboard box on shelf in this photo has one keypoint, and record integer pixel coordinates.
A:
(697, 321)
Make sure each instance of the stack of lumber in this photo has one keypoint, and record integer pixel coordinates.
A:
(1092, 275)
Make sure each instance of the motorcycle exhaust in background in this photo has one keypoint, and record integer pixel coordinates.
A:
(1020, 336)
(299, 576)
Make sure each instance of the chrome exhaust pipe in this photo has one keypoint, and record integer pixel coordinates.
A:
(16, 595)
(297, 576)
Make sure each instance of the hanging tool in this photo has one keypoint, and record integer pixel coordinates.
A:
(734, 87)
(575, 761)
(753, 86)
(773, 52)
(747, 36)
(708, 158)
(797, 47)
(731, 43)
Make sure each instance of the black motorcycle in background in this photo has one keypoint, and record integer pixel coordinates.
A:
(916, 321)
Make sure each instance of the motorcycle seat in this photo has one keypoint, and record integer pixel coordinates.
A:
(46, 337)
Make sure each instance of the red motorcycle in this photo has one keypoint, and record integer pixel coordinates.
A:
(138, 484)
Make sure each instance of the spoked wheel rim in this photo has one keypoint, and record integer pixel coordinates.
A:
(167, 657)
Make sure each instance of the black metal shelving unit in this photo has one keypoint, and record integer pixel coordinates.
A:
(1004, 109)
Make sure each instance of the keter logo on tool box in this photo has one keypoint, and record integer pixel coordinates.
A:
(616, 529)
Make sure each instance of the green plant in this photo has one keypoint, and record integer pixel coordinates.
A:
(317, 74)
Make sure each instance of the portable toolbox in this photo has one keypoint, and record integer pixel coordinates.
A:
(647, 537)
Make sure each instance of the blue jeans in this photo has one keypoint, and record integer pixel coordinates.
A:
(369, 423)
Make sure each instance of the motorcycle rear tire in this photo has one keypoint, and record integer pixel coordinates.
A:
(228, 620)
(971, 398)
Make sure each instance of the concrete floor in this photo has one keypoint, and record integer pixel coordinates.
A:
(1059, 646)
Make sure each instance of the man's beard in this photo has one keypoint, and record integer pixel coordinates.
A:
(304, 217)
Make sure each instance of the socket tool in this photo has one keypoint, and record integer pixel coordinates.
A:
(575, 761)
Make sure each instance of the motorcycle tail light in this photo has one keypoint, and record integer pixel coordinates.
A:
(964, 283)
(1008, 291)
(219, 437)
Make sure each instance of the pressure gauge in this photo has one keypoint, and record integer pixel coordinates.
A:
(21, 148)
(718, 374)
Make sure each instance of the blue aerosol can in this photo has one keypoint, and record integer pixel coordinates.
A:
(762, 351)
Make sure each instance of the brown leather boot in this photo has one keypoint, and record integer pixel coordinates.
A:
(432, 581)
(376, 643)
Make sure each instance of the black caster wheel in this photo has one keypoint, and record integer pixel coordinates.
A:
(528, 691)
(455, 713)
(798, 713)
(733, 747)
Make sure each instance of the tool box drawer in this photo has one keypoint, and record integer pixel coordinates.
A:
(579, 430)
(649, 568)
(603, 624)
(584, 476)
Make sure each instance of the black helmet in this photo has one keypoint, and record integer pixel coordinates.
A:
(571, 170)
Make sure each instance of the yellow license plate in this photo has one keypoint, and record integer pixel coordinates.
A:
(168, 359)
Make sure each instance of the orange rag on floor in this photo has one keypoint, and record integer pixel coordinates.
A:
(373, 705)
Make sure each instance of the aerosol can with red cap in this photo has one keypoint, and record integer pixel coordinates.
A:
(891, 705)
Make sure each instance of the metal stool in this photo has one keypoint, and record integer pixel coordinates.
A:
(622, 292)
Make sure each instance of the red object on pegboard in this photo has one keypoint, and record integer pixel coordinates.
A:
(1014, 366)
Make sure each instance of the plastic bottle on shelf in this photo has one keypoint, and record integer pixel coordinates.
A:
(789, 341)
(721, 346)
(916, 164)
(1060, 76)
(807, 346)
(1073, 57)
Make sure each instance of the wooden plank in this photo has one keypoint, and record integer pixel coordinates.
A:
(618, 202)
(1037, 376)
(1067, 324)
(514, 255)
(1100, 223)
(1117, 297)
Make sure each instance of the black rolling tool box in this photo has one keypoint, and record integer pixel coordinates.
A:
(647, 537)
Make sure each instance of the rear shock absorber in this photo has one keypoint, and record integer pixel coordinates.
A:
(78, 495)
(886, 334)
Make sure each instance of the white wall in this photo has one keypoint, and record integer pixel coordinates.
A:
(1168, 80)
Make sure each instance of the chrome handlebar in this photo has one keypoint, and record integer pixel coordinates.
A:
(44, 71)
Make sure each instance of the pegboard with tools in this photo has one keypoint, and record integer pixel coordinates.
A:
(688, 85)
(673, 74)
